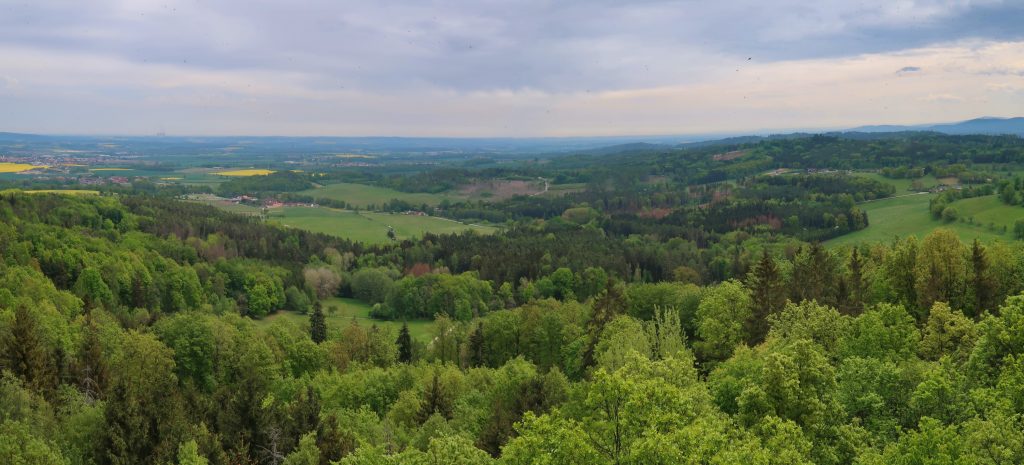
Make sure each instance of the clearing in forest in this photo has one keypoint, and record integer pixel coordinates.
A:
(340, 312)
(368, 227)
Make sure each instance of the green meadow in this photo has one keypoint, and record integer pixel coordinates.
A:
(907, 215)
(368, 227)
(342, 314)
(902, 185)
(361, 195)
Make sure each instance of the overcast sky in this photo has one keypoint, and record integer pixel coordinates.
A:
(503, 68)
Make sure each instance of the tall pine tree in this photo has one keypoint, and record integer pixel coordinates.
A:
(25, 354)
(855, 299)
(981, 282)
(435, 401)
(404, 343)
(769, 294)
(607, 305)
(477, 356)
(317, 324)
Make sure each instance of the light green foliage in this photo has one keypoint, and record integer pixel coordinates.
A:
(461, 297)
(811, 321)
(885, 332)
(19, 446)
(188, 454)
(721, 318)
(191, 338)
(998, 337)
(665, 335)
(91, 288)
(264, 294)
(941, 270)
(622, 338)
(942, 395)
(644, 298)
(947, 331)
(932, 444)
(306, 454)
(875, 392)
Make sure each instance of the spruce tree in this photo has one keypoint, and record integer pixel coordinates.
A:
(404, 343)
(90, 369)
(25, 354)
(980, 280)
(769, 295)
(435, 401)
(317, 324)
(476, 346)
(855, 302)
(607, 305)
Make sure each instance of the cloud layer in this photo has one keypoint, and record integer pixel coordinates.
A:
(489, 67)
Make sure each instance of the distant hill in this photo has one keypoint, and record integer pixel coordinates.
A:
(986, 125)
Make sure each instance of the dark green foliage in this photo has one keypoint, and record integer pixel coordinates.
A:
(317, 324)
(25, 354)
(435, 401)
(768, 291)
(404, 343)
(281, 181)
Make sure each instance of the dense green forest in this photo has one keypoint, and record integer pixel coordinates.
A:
(676, 306)
(130, 334)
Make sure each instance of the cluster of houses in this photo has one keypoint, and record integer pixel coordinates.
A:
(268, 202)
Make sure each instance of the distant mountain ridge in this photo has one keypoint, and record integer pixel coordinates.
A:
(984, 125)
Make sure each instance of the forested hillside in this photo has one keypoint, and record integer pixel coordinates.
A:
(135, 330)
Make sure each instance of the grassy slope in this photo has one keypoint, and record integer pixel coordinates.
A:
(366, 226)
(908, 215)
(361, 195)
(902, 185)
(347, 309)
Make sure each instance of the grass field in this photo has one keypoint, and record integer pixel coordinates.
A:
(361, 195)
(6, 167)
(251, 172)
(902, 185)
(908, 215)
(367, 227)
(346, 310)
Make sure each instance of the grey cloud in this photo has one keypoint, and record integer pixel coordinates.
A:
(472, 45)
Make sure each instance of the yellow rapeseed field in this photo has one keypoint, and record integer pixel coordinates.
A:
(6, 167)
(253, 172)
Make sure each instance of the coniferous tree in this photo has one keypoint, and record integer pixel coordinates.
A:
(609, 304)
(855, 300)
(90, 368)
(814, 269)
(404, 343)
(436, 401)
(769, 295)
(981, 282)
(476, 346)
(25, 354)
(333, 442)
(317, 324)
